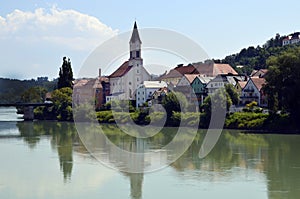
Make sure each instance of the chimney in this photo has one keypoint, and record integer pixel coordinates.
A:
(99, 72)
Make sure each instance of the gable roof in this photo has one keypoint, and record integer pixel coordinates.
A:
(212, 69)
(190, 77)
(208, 69)
(242, 84)
(224, 69)
(121, 71)
(258, 82)
(259, 73)
(179, 71)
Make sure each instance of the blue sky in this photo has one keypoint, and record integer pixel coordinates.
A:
(34, 39)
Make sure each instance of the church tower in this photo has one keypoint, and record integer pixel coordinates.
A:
(135, 43)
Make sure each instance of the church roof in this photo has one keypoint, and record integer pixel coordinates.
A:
(135, 34)
(121, 71)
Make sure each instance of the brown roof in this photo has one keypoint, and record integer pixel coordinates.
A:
(179, 71)
(212, 69)
(190, 77)
(242, 84)
(258, 82)
(121, 71)
(259, 73)
(224, 69)
(209, 69)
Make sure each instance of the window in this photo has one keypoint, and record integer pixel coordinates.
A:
(130, 54)
(137, 79)
(137, 53)
(129, 83)
(137, 71)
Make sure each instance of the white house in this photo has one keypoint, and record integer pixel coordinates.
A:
(253, 91)
(221, 80)
(131, 73)
(146, 90)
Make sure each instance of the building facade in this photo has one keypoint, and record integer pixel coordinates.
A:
(146, 90)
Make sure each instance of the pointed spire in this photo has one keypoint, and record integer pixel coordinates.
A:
(135, 26)
(135, 34)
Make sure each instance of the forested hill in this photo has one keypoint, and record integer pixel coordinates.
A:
(255, 57)
(12, 89)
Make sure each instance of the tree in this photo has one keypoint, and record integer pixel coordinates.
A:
(65, 74)
(34, 94)
(283, 82)
(174, 101)
(234, 96)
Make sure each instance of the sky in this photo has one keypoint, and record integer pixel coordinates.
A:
(36, 35)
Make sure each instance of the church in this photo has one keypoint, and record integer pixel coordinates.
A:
(126, 79)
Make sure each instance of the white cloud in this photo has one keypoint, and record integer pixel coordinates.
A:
(41, 37)
(68, 27)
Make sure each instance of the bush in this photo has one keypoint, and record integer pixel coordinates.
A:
(246, 120)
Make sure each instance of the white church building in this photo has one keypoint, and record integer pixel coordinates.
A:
(127, 78)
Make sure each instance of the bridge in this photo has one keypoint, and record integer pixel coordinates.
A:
(28, 108)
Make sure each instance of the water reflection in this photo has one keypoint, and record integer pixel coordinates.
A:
(63, 136)
(270, 160)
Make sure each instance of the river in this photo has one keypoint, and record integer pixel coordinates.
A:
(48, 160)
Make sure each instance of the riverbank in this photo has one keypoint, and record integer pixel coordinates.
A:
(249, 121)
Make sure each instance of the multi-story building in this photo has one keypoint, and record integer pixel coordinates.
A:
(146, 90)
(253, 92)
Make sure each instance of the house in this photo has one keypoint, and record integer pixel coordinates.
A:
(175, 75)
(221, 80)
(184, 86)
(211, 69)
(159, 95)
(88, 91)
(131, 73)
(208, 68)
(259, 73)
(240, 85)
(293, 38)
(253, 92)
(199, 86)
(145, 91)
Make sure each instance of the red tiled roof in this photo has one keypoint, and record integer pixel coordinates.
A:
(258, 82)
(121, 71)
